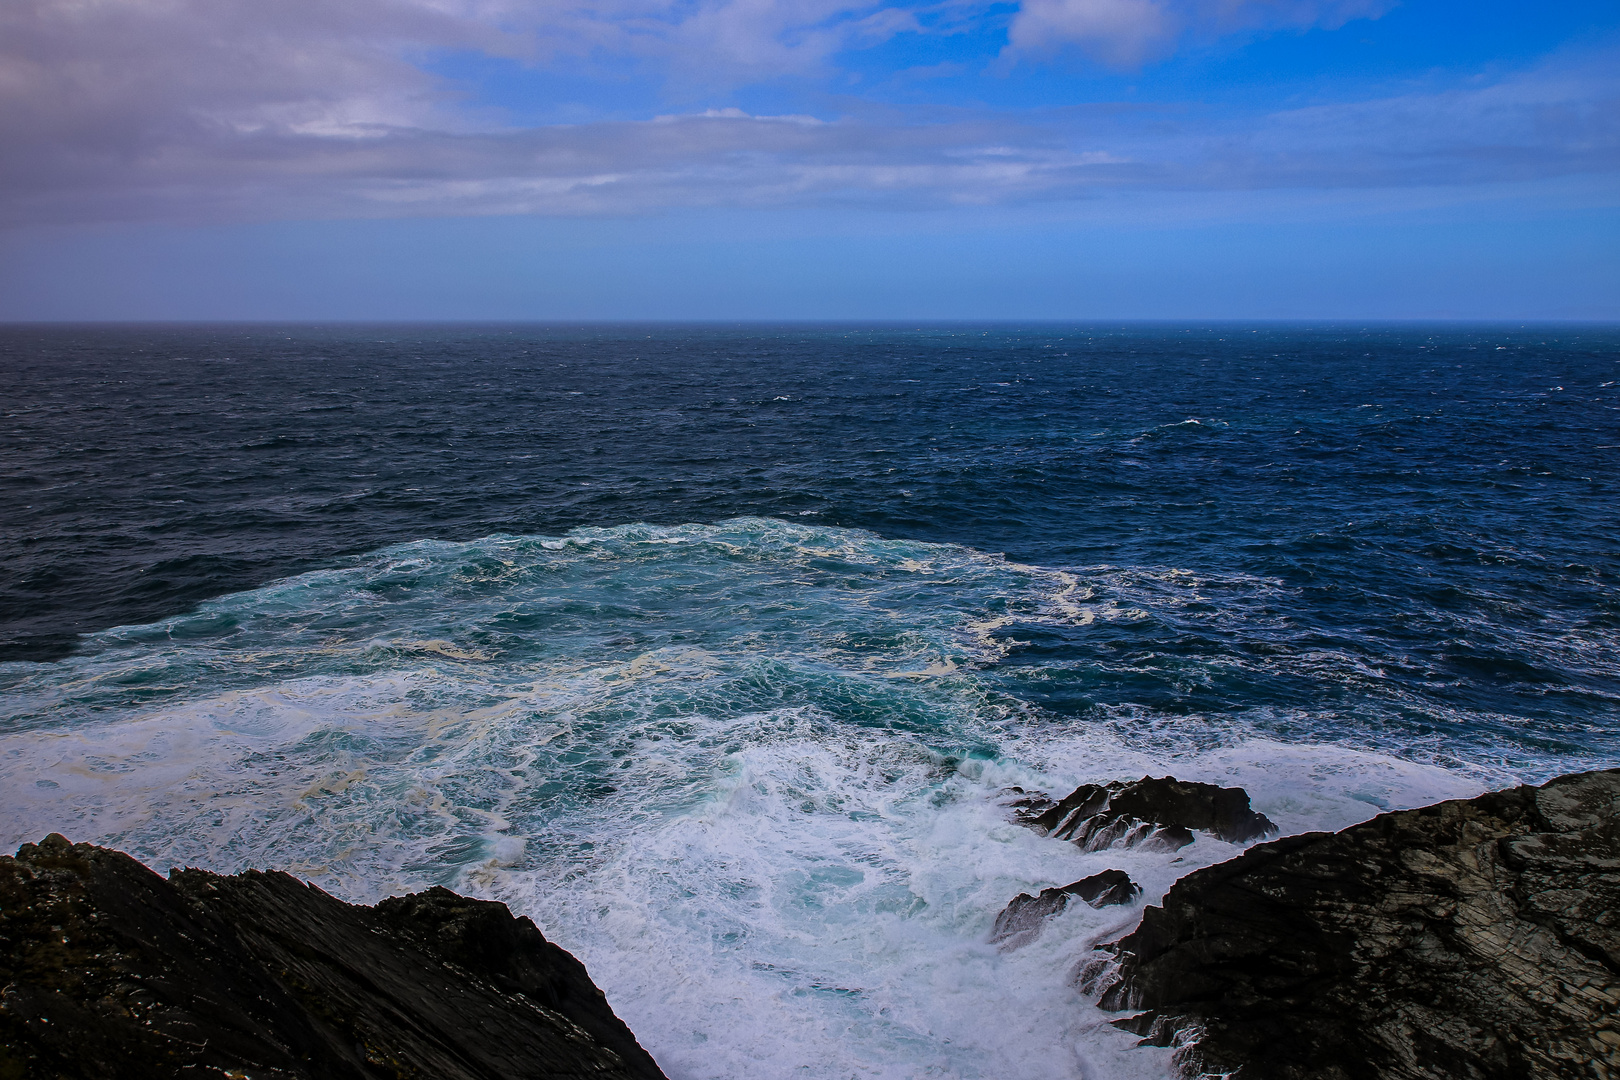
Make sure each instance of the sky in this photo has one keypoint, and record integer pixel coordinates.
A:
(809, 159)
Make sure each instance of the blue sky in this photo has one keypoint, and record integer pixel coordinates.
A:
(512, 159)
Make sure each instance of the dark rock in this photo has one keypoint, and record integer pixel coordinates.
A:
(1474, 939)
(1155, 814)
(1020, 922)
(111, 971)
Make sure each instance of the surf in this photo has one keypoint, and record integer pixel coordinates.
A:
(754, 773)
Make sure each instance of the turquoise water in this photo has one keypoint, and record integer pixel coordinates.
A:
(716, 649)
(751, 772)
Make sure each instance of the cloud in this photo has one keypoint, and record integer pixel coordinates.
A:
(1119, 32)
(1126, 33)
(206, 110)
(716, 158)
(1561, 119)
(131, 65)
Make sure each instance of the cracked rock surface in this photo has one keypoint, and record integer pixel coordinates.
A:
(1475, 939)
(109, 970)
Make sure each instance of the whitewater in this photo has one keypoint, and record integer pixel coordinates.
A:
(754, 774)
(719, 651)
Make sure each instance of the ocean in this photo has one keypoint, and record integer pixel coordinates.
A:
(715, 649)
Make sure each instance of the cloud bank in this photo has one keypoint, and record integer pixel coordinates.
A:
(229, 110)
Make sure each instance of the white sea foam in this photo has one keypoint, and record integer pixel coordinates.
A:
(769, 896)
(752, 774)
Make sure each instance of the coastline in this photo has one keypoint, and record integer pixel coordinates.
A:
(1468, 938)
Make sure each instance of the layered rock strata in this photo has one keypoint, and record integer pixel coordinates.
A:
(1020, 922)
(1156, 814)
(112, 971)
(1471, 940)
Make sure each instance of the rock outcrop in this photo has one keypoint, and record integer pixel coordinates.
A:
(109, 970)
(1475, 939)
(1020, 922)
(1155, 814)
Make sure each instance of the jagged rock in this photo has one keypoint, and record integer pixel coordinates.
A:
(1475, 939)
(1020, 922)
(1156, 814)
(112, 971)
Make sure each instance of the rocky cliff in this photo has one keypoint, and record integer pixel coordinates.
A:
(109, 970)
(1474, 939)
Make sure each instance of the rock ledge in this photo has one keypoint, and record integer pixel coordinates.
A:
(112, 971)
(1155, 814)
(1474, 939)
(1022, 920)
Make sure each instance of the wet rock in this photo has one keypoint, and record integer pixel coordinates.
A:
(1157, 814)
(109, 970)
(1020, 922)
(1473, 939)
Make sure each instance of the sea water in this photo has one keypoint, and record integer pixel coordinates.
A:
(717, 651)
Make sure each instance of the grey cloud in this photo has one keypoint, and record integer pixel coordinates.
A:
(1125, 33)
(224, 110)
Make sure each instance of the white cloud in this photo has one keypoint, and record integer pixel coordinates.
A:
(1125, 33)
(232, 109)
(1118, 32)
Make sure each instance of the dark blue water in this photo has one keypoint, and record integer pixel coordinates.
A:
(713, 648)
(1439, 503)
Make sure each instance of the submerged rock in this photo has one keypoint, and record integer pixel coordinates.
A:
(112, 971)
(1020, 922)
(1158, 814)
(1473, 939)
